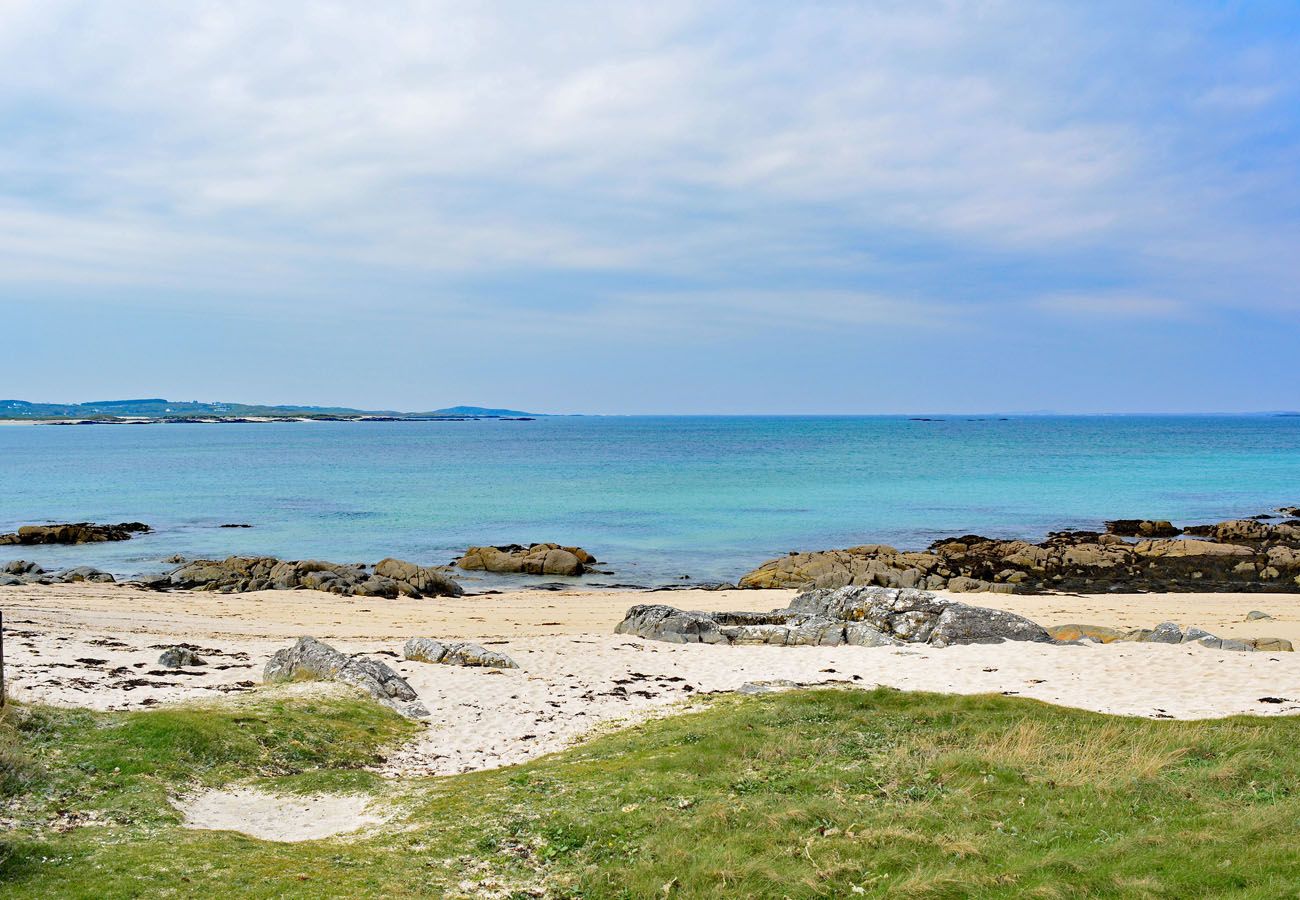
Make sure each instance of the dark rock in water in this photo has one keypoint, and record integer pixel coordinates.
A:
(535, 559)
(1238, 555)
(74, 533)
(235, 525)
(548, 586)
(863, 616)
(1142, 528)
(180, 658)
(456, 653)
(309, 659)
(236, 574)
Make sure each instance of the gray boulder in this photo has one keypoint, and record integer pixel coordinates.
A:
(1165, 633)
(456, 653)
(310, 660)
(7, 580)
(180, 657)
(22, 567)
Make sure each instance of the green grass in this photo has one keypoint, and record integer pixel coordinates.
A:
(809, 794)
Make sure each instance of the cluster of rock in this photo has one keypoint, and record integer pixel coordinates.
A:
(236, 574)
(310, 660)
(456, 653)
(1238, 555)
(74, 533)
(861, 616)
(534, 559)
(1165, 633)
(20, 571)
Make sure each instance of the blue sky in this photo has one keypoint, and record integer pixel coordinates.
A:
(653, 207)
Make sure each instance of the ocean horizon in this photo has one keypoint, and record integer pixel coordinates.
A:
(658, 499)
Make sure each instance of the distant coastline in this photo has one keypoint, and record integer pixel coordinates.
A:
(154, 411)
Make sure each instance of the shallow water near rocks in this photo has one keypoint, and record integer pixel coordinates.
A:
(655, 498)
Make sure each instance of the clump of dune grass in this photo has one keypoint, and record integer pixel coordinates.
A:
(821, 793)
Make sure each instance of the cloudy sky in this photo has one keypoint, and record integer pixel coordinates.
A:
(653, 207)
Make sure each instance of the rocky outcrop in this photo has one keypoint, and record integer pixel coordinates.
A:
(310, 660)
(1165, 633)
(1240, 555)
(1147, 528)
(20, 571)
(236, 574)
(456, 653)
(535, 559)
(74, 533)
(862, 616)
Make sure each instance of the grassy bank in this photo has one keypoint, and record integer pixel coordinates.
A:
(811, 794)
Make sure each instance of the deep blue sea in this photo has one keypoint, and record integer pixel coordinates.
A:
(653, 497)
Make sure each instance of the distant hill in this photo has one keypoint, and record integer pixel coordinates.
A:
(477, 411)
(158, 408)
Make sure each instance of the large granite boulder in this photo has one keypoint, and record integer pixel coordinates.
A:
(424, 580)
(74, 533)
(456, 653)
(863, 616)
(390, 577)
(534, 559)
(1241, 555)
(310, 660)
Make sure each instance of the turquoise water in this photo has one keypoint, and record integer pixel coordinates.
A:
(655, 497)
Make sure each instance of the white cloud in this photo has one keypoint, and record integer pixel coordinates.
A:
(674, 138)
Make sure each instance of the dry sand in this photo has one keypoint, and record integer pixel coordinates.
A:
(275, 817)
(98, 645)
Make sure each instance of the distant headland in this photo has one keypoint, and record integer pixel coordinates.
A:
(157, 410)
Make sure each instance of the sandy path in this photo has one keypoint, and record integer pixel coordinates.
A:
(98, 646)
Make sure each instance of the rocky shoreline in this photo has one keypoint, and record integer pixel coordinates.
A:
(1132, 555)
(1236, 555)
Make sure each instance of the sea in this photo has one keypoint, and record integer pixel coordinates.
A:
(659, 500)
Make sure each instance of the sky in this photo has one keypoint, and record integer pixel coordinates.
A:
(653, 207)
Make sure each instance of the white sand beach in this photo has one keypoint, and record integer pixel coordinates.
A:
(98, 646)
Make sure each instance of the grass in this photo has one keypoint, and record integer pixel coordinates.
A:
(807, 794)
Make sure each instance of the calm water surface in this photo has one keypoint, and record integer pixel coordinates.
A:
(655, 497)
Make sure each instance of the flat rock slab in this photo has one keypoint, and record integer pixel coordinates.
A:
(272, 817)
(862, 616)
